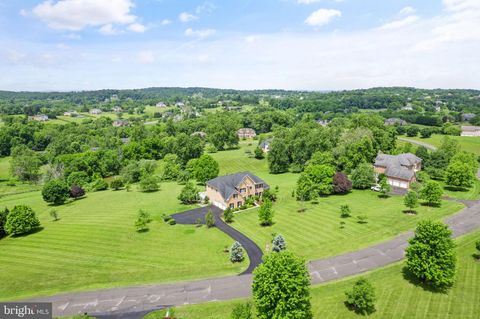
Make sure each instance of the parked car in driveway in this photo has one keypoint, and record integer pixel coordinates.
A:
(376, 188)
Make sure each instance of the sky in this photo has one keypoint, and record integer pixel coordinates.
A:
(64, 45)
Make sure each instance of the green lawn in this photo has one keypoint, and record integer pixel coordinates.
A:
(467, 143)
(4, 168)
(95, 245)
(316, 233)
(396, 297)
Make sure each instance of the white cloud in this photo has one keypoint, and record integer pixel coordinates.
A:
(322, 17)
(186, 17)
(146, 57)
(307, 1)
(203, 33)
(252, 38)
(137, 27)
(75, 15)
(108, 29)
(165, 22)
(206, 7)
(23, 13)
(400, 23)
(407, 11)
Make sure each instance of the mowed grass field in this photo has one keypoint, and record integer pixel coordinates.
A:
(95, 245)
(396, 296)
(316, 233)
(467, 143)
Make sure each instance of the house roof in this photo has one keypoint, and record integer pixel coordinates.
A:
(227, 184)
(396, 165)
(265, 143)
(470, 128)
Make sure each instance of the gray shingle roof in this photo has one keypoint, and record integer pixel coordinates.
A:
(396, 165)
(226, 184)
(265, 142)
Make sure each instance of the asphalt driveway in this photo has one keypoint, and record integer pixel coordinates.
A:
(190, 217)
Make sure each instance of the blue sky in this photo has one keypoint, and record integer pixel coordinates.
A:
(245, 44)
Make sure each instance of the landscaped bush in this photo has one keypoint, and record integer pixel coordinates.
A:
(345, 211)
(209, 219)
(236, 252)
(228, 215)
(55, 192)
(3, 220)
(149, 184)
(279, 243)
(172, 222)
(98, 184)
(341, 183)
(258, 153)
(21, 220)
(362, 297)
(242, 311)
(116, 183)
(76, 192)
(78, 178)
(189, 194)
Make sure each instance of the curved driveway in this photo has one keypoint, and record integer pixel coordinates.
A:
(426, 145)
(253, 251)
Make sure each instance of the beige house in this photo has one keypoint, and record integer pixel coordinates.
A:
(265, 145)
(470, 130)
(232, 190)
(400, 170)
(246, 133)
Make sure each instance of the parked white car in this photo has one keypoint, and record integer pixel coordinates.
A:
(376, 188)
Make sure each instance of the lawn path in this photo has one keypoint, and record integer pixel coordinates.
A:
(428, 146)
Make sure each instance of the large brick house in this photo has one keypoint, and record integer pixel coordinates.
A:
(246, 133)
(400, 170)
(232, 190)
(470, 130)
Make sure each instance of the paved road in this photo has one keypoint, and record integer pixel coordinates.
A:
(429, 146)
(143, 298)
(190, 218)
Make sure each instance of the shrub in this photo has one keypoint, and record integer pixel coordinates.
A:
(363, 176)
(209, 219)
(140, 225)
(98, 184)
(242, 311)
(21, 220)
(76, 192)
(341, 183)
(143, 214)
(189, 194)
(228, 215)
(77, 178)
(385, 187)
(345, 211)
(54, 215)
(236, 252)
(172, 222)
(265, 213)
(362, 219)
(431, 192)
(412, 131)
(149, 184)
(258, 153)
(3, 220)
(116, 183)
(211, 149)
(269, 195)
(279, 243)
(55, 192)
(361, 297)
(431, 254)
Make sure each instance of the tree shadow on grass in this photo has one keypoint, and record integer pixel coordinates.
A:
(141, 231)
(33, 231)
(476, 256)
(430, 204)
(411, 278)
(410, 212)
(367, 312)
(382, 196)
(455, 189)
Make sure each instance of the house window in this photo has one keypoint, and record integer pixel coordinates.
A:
(239, 204)
(256, 194)
(235, 195)
(258, 186)
(232, 206)
(243, 190)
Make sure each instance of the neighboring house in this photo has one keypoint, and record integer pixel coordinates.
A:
(95, 111)
(161, 104)
(232, 190)
(179, 104)
(394, 121)
(408, 107)
(323, 122)
(199, 134)
(117, 109)
(400, 170)
(70, 113)
(120, 123)
(246, 133)
(265, 145)
(470, 130)
(468, 116)
(39, 118)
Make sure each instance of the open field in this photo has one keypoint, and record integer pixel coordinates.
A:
(396, 296)
(316, 233)
(95, 245)
(467, 143)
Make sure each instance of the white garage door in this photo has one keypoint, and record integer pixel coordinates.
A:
(220, 205)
